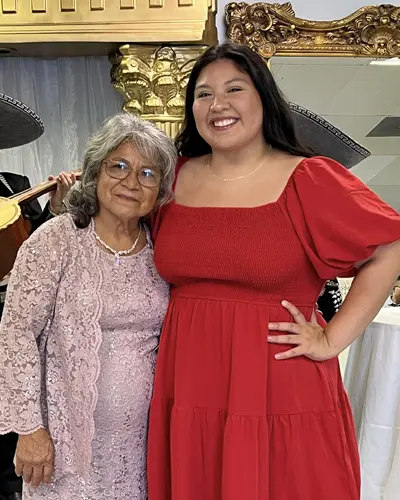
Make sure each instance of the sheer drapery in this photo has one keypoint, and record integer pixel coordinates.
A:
(72, 96)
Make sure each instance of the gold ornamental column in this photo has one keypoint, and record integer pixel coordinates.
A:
(153, 76)
(153, 81)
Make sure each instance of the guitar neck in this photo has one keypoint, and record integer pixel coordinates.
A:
(39, 190)
(35, 192)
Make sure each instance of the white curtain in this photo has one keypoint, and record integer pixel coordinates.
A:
(72, 96)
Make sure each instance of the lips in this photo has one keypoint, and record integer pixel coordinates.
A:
(224, 123)
(126, 197)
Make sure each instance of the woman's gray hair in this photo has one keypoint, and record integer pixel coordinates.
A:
(150, 142)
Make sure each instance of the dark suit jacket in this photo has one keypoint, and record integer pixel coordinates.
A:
(330, 300)
(31, 210)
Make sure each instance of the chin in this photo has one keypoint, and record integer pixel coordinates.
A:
(227, 146)
(127, 214)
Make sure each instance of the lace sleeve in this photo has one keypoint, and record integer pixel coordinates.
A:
(28, 308)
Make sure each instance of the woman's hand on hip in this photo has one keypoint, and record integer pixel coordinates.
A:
(309, 338)
(34, 457)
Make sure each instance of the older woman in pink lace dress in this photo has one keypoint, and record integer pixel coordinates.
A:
(81, 325)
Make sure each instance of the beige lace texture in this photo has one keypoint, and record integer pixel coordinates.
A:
(77, 354)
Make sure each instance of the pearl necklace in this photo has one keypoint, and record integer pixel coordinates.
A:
(118, 253)
(235, 178)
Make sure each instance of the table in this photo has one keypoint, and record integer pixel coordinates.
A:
(372, 380)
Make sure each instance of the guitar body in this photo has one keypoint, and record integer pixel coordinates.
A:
(13, 232)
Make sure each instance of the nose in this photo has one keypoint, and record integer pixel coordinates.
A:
(132, 182)
(220, 103)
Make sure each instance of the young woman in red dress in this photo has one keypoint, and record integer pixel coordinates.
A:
(248, 399)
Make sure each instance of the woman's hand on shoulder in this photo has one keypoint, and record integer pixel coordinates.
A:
(65, 181)
(309, 338)
(34, 458)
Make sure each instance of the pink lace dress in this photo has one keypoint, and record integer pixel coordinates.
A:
(96, 354)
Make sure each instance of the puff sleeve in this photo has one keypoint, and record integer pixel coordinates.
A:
(337, 218)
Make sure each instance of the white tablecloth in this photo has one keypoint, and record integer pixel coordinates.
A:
(372, 380)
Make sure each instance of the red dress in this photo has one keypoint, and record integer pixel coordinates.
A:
(227, 420)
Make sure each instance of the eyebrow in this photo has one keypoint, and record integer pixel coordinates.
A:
(119, 158)
(237, 79)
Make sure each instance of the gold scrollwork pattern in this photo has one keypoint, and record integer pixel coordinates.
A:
(273, 29)
(153, 81)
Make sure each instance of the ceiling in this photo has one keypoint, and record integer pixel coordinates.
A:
(354, 96)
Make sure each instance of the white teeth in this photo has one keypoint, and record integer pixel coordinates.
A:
(224, 123)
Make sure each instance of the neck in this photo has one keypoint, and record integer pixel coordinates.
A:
(116, 232)
(239, 161)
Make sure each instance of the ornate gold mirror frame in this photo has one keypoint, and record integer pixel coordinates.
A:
(274, 29)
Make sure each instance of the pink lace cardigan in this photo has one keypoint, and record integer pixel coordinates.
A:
(41, 321)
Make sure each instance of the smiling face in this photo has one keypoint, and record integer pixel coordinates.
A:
(227, 108)
(126, 199)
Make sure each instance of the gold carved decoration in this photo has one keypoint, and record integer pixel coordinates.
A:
(105, 21)
(153, 78)
(153, 81)
(274, 29)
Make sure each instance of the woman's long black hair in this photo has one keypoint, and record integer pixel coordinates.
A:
(278, 125)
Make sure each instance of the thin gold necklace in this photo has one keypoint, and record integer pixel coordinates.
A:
(235, 178)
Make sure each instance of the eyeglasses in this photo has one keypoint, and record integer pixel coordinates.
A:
(147, 176)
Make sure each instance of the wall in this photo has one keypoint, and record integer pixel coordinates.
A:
(317, 10)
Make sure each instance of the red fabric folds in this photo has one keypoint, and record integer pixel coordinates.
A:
(228, 421)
